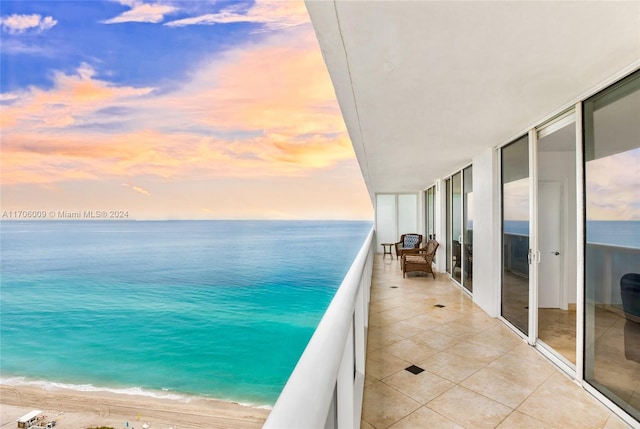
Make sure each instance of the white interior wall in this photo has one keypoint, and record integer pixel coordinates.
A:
(486, 234)
(385, 220)
(408, 214)
(561, 166)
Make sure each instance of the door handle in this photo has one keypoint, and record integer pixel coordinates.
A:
(556, 253)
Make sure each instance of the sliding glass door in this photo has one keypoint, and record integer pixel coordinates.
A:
(555, 230)
(467, 228)
(515, 233)
(456, 227)
(430, 213)
(612, 248)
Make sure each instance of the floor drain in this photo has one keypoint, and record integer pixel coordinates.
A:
(414, 369)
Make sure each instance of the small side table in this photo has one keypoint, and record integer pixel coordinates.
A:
(386, 249)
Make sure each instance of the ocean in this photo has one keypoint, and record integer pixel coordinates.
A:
(221, 309)
(609, 232)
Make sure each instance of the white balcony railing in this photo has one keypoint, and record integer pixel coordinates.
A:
(325, 388)
(605, 265)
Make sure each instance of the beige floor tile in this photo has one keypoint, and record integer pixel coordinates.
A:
(558, 401)
(498, 337)
(451, 366)
(476, 352)
(456, 330)
(424, 321)
(470, 409)
(421, 387)
(387, 317)
(496, 370)
(521, 365)
(403, 313)
(459, 329)
(383, 406)
(437, 340)
(365, 425)
(425, 418)
(410, 350)
(615, 422)
(517, 420)
(445, 316)
(378, 338)
(381, 364)
(406, 329)
(501, 386)
(369, 380)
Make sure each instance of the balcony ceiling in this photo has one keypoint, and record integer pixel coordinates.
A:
(424, 86)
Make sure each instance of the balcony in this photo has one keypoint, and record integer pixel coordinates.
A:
(477, 372)
(434, 359)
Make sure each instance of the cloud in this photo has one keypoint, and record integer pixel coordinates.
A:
(612, 187)
(17, 24)
(226, 120)
(274, 14)
(142, 12)
(137, 189)
(73, 98)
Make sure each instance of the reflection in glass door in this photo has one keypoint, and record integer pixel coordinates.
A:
(430, 212)
(556, 233)
(449, 220)
(612, 248)
(515, 233)
(467, 227)
(456, 227)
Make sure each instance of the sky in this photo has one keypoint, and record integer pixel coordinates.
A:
(171, 110)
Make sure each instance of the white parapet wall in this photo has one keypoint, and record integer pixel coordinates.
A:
(325, 388)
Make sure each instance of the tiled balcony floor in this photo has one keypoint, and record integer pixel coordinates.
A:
(477, 372)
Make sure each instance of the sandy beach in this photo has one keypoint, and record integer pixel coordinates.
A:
(80, 410)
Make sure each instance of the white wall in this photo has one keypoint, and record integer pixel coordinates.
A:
(561, 166)
(385, 220)
(397, 214)
(486, 233)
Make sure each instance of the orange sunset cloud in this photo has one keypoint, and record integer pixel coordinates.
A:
(261, 110)
(288, 105)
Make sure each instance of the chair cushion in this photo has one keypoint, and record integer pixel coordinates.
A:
(410, 241)
(413, 259)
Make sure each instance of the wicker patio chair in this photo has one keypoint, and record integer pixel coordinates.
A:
(423, 261)
(409, 243)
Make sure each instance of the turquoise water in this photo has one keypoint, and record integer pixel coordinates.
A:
(214, 308)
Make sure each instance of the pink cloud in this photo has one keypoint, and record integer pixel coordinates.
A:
(16, 24)
(289, 108)
(612, 187)
(226, 125)
(275, 15)
(142, 12)
(138, 189)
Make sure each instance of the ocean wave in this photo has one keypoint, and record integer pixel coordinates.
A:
(52, 386)
(133, 391)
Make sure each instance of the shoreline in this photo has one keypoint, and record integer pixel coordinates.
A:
(75, 409)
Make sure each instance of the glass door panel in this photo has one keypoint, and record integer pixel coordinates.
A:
(431, 213)
(612, 248)
(449, 221)
(467, 229)
(515, 233)
(456, 227)
(556, 231)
